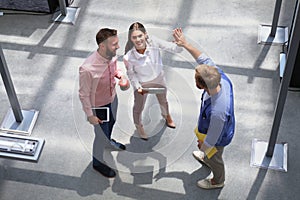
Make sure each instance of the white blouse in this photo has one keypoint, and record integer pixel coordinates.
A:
(148, 66)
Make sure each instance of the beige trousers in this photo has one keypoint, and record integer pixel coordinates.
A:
(140, 100)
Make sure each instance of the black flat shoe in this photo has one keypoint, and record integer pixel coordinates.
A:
(105, 170)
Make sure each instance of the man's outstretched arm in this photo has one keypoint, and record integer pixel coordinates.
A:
(181, 41)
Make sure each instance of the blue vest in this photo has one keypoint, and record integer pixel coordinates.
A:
(229, 125)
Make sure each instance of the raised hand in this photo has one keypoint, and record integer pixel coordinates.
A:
(179, 37)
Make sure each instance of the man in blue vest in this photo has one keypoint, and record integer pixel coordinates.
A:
(216, 122)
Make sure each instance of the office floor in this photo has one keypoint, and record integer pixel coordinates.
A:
(43, 58)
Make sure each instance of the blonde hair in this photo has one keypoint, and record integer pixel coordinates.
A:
(207, 76)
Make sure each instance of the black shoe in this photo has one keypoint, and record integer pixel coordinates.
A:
(105, 170)
(117, 145)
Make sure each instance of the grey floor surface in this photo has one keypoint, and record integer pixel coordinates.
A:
(43, 58)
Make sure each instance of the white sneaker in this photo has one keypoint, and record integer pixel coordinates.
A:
(199, 155)
(206, 184)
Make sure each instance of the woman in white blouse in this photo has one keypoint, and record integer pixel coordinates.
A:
(145, 70)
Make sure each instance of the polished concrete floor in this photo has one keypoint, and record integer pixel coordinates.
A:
(43, 58)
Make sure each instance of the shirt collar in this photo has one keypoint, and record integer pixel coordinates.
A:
(105, 60)
(139, 55)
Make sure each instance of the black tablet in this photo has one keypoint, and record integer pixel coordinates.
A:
(102, 113)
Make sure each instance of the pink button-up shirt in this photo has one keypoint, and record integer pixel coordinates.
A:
(97, 82)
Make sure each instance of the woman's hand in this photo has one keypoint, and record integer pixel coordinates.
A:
(141, 91)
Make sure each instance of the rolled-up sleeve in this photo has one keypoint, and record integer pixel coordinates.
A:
(204, 59)
(85, 85)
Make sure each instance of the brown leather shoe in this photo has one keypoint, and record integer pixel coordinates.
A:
(141, 132)
(169, 122)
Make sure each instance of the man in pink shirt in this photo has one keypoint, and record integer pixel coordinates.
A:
(97, 89)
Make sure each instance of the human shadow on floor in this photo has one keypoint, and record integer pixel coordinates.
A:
(191, 191)
(139, 161)
(90, 182)
(89, 185)
(137, 154)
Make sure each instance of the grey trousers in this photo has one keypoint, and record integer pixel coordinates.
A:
(216, 165)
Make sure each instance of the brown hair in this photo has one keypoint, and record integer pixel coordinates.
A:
(207, 76)
(105, 33)
(133, 27)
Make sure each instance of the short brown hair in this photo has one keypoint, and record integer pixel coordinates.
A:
(207, 76)
(105, 33)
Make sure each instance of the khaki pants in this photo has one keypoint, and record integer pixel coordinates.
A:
(140, 100)
(216, 165)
